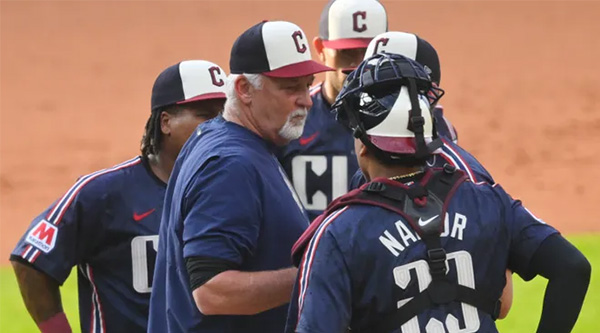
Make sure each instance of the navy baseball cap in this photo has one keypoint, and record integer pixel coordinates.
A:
(351, 24)
(408, 45)
(276, 49)
(188, 81)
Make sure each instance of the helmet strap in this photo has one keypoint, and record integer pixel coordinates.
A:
(416, 121)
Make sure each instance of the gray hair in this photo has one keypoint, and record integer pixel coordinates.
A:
(255, 80)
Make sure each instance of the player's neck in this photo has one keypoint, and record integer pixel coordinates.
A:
(240, 117)
(329, 92)
(237, 117)
(161, 165)
(379, 170)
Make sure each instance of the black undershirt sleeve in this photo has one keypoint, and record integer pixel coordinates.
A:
(568, 273)
(202, 269)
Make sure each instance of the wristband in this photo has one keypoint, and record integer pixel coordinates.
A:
(56, 324)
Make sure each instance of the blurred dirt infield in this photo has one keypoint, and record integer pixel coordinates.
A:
(521, 78)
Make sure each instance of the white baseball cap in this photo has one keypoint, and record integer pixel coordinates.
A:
(277, 49)
(350, 24)
(188, 81)
(410, 46)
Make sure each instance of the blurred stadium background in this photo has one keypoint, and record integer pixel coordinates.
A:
(521, 80)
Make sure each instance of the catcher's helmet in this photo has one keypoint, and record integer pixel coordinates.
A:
(386, 102)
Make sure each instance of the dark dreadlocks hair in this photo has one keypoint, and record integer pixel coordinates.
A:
(152, 139)
(153, 135)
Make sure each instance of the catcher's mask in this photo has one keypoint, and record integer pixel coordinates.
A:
(386, 103)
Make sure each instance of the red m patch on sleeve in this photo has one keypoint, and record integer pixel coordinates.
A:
(43, 236)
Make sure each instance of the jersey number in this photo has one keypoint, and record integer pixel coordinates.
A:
(466, 277)
(319, 165)
(140, 264)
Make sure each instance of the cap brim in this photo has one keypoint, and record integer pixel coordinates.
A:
(347, 43)
(398, 145)
(299, 69)
(394, 144)
(216, 95)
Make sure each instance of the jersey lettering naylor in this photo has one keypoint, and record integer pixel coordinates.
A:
(365, 261)
(107, 225)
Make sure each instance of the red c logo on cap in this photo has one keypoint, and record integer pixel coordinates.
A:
(214, 71)
(355, 26)
(382, 41)
(300, 46)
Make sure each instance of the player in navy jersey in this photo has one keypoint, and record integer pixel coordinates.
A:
(421, 249)
(231, 216)
(107, 223)
(321, 162)
(420, 50)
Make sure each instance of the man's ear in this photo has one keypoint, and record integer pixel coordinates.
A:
(318, 44)
(243, 89)
(165, 122)
(362, 149)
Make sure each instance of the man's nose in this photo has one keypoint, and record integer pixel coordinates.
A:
(305, 100)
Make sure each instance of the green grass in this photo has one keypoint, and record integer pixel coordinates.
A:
(523, 316)
(13, 314)
(528, 296)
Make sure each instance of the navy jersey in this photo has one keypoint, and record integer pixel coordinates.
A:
(443, 126)
(227, 198)
(365, 261)
(107, 225)
(321, 163)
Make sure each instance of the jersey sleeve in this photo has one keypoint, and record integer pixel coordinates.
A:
(453, 154)
(357, 180)
(324, 288)
(64, 234)
(527, 232)
(443, 125)
(222, 211)
(452, 134)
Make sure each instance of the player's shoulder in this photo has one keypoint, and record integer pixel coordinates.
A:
(221, 137)
(237, 160)
(453, 154)
(344, 221)
(482, 194)
(227, 164)
(444, 127)
(216, 139)
(315, 89)
(105, 181)
(317, 97)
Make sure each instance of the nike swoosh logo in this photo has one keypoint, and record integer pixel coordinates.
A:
(426, 222)
(138, 217)
(307, 140)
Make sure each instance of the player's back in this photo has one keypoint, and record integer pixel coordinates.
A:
(474, 231)
(386, 259)
(107, 225)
